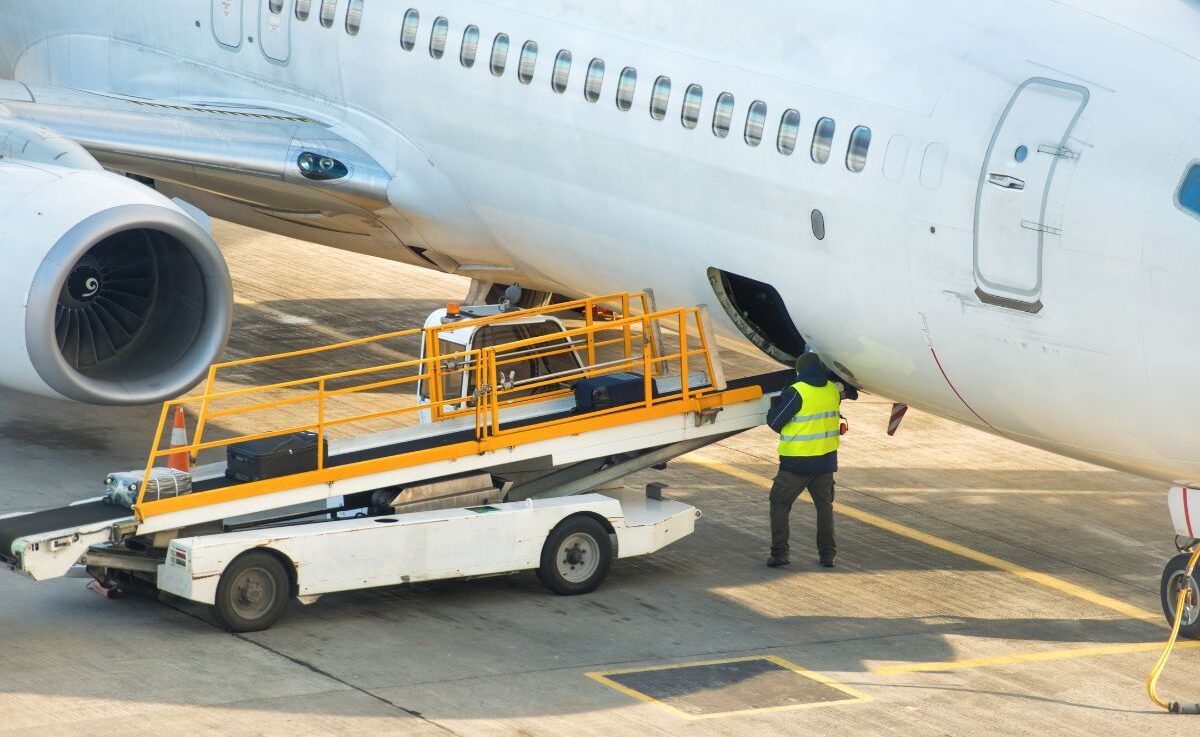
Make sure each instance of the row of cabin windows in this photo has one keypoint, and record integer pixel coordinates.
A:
(327, 14)
(754, 130)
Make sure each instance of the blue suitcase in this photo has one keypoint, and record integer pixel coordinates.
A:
(611, 390)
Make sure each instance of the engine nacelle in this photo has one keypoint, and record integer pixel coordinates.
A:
(109, 292)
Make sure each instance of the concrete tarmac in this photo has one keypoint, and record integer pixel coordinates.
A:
(981, 587)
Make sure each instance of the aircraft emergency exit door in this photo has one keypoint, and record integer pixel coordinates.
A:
(227, 22)
(275, 29)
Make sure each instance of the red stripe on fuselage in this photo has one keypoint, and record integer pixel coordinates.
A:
(950, 384)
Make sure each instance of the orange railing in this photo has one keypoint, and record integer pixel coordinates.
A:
(628, 342)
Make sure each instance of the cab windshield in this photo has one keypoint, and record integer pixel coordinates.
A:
(513, 368)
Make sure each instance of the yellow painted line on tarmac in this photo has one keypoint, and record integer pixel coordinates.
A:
(1094, 651)
(605, 678)
(1042, 579)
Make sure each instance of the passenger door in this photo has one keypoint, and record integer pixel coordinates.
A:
(1012, 230)
(227, 22)
(275, 29)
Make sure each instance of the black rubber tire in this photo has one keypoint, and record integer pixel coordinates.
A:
(266, 568)
(1176, 567)
(589, 528)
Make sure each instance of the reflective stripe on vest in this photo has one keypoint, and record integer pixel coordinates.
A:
(816, 430)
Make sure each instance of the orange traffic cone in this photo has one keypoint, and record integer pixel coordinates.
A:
(179, 461)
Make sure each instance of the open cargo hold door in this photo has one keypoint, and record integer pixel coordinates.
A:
(759, 313)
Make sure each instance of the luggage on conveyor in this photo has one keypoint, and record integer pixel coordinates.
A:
(611, 390)
(121, 489)
(269, 458)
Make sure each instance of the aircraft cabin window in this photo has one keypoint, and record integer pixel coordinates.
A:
(626, 86)
(328, 12)
(303, 8)
(594, 81)
(756, 121)
(823, 140)
(275, 6)
(499, 54)
(1189, 191)
(528, 62)
(408, 31)
(470, 47)
(437, 38)
(562, 72)
(856, 154)
(789, 131)
(723, 115)
(354, 17)
(660, 97)
(692, 99)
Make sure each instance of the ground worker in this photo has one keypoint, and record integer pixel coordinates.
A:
(807, 418)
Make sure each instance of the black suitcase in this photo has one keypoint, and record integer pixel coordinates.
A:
(611, 390)
(268, 458)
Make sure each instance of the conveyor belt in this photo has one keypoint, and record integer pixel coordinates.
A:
(64, 518)
(385, 451)
(772, 382)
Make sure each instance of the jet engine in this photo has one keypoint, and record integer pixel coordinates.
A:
(109, 292)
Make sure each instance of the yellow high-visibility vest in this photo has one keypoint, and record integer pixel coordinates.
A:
(816, 429)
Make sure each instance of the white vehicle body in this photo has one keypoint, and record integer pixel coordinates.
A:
(1042, 295)
(343, 555)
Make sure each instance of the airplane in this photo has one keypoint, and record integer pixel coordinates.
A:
(989, 210)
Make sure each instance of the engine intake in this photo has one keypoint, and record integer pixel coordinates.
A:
(130, 300)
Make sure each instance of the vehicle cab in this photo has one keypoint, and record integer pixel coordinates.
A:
(458, 378)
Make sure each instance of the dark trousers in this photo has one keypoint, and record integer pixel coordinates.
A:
(784, 492)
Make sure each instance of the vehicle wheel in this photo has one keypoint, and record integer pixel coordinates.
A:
(576, 556)
(1174, 581)
(252, 593)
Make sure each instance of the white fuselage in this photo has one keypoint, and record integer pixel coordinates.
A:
(1068, 325)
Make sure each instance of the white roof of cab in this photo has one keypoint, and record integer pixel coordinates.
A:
(463, 336)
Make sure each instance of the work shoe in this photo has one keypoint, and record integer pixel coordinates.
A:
(827, 562)
(774, 562)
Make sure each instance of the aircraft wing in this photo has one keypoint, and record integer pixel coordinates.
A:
(269, 158)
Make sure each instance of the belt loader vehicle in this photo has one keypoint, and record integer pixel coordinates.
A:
(520, 420)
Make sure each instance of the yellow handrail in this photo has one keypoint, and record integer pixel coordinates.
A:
(634, 345)
(321, 425)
